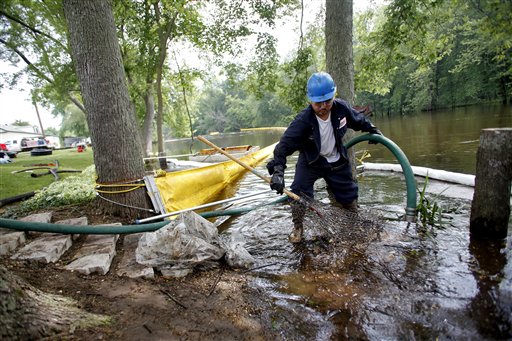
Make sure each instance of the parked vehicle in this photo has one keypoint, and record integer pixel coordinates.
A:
(4, 149)
(53, 142)
(13, 145)
(29, 143)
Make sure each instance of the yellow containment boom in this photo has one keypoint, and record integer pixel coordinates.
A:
(192, 187)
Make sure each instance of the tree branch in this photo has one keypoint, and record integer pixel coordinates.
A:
(35, 30)
(39, 73)
(27, 61)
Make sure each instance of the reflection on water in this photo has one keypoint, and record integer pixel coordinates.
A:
(253, 138)
(399, 281)
(445, 139)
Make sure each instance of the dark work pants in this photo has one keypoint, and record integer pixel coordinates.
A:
(338, 177)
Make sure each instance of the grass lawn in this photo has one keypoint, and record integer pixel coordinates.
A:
(19, 183)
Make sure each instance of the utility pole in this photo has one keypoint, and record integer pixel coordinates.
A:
(38, 116)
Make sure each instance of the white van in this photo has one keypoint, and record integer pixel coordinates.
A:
(13, 145)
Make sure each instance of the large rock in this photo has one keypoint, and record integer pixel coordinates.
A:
(47, 249)
(95, 255)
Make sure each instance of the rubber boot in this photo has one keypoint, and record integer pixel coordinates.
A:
(298, 212)
(351, 206)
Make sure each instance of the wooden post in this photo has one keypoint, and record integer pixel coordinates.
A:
(490, 210)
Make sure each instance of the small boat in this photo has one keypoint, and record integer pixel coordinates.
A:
(211, 155)
(187, 188)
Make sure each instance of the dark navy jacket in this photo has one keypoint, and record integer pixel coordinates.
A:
(303, 133)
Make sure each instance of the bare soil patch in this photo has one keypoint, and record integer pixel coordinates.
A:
(214, 304)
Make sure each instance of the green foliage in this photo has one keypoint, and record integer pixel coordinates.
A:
(34, 33)
(20, 123)
(228, 106)
(430, 213)
(51, 131)
(74, 122)
(423, 55)
(70, 191)
(295, 76)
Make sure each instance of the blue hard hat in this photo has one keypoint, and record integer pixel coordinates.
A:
(321, 87)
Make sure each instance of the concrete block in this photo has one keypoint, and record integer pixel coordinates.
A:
(45, 217)
(82, 221)
(47, 249)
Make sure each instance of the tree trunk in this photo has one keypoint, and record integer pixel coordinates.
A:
(147, 132)
(490, 210)
(110, 116)
(338, 46)
(340, 57)
(27, 313)
(164, 35)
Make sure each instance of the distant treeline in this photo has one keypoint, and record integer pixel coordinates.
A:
(430, 55)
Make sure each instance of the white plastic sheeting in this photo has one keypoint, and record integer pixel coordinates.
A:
(186, 242)
(458, 178)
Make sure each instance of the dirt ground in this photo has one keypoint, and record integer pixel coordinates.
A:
(209, 304)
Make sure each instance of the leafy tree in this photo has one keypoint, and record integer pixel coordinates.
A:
(423, 55)
(34, 32)
(216, 26)
(74, 122)
(20, 123)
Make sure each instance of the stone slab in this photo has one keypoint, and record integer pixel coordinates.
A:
(89, 264)
(73, 221)
(95, 255)
(82, 221)
(128, 266)
(47, 248)
(44, 217)
(10, 240)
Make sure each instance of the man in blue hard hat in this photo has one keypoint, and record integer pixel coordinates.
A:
(317, 134)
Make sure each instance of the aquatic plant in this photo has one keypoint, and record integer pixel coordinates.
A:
(430, 213)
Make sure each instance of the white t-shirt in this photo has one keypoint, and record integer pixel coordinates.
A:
(327, 141)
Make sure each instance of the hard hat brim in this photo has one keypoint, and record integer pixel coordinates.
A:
(322, 98)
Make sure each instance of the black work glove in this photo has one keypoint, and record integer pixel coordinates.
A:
(374, 131)
(277, 181)
(270, 166)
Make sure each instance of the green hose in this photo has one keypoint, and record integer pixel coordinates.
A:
(410, 182)
(410, 210)
(115, 229)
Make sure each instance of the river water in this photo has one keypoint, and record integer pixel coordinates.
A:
(380, 278)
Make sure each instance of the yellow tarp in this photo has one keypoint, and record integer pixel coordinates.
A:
(194, 187)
